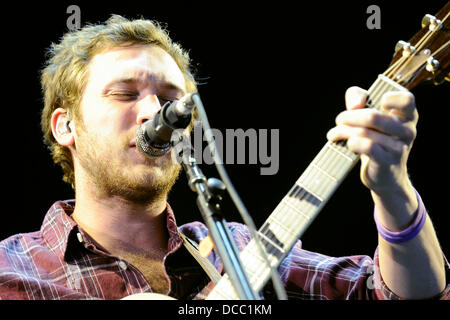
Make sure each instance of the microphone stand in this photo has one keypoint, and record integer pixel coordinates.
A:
(209, 197)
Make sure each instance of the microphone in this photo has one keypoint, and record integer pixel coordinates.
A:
(153, 137)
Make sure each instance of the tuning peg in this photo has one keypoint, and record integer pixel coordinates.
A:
(431, 22)
(432, 64)
(406, 48)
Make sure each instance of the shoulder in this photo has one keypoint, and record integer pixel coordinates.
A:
(18, 248)
(19, 243)
(17, 254)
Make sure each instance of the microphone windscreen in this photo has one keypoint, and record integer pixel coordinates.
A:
(143, 143)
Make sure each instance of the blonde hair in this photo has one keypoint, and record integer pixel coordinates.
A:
(65, 72)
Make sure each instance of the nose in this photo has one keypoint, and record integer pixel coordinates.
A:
(147, 108)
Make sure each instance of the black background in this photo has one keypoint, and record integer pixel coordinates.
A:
(265, 65)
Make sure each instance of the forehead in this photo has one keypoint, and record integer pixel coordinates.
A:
(141, 62)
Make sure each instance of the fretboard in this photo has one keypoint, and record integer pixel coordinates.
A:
(300, 206)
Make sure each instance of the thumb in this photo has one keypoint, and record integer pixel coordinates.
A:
(355, 98)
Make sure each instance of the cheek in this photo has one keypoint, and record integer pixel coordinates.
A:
(124, 119)
(110, 119)
(111, 124)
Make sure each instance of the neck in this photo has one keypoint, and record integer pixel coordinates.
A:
(120, 226)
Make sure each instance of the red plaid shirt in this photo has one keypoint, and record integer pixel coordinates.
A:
(60, 261)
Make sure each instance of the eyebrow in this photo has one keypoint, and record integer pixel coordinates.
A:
(167, 85)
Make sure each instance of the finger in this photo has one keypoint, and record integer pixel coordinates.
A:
(368, 147)
(400, 104)
(388, 143)
(373, 119)
(355, 98)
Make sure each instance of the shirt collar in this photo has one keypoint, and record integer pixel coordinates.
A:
(58, 226)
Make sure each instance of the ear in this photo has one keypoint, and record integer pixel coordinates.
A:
(61, 128)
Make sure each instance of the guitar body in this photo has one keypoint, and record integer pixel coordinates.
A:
(148, 296)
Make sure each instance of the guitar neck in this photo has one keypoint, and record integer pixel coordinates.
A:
(300, 205)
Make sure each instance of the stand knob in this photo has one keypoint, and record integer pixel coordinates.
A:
(216, 187)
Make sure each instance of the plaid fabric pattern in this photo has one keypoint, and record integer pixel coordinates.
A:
(60, 261)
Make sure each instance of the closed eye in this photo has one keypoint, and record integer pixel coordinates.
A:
(125, 96)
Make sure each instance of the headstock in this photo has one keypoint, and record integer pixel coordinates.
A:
(426, 56)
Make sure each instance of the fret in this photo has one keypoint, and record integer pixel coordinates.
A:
(335, 167)
(259, 263)
(382, 85)
(256, 277)
(324, 172)
(277, 232)
(392, 85)
(344, 152)
(307, 208)
(254, 263)
(286, 219)
(272, 245)
(284, 228)
(301, 193)
(293, 208)
(317, 181)
(374, 96)
(256, 269)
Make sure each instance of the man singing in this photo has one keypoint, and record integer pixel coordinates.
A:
(119, 236)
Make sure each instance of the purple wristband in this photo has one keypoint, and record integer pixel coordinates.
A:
(408, 233)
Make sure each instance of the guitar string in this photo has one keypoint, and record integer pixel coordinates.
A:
(335, 157)
(332, 159)
(336, 161)
(379, 89)
(405, 59)
(258, 268)
(438, 29)
(420, 42)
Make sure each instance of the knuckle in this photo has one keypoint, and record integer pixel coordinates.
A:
(363, 132)
(373, 118)
(339, 117)
(351, 143)
(399, 148)
(409, 99)
(369, 146)
(410, 133)
(398, 99)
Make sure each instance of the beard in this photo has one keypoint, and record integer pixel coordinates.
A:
(110, 169)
